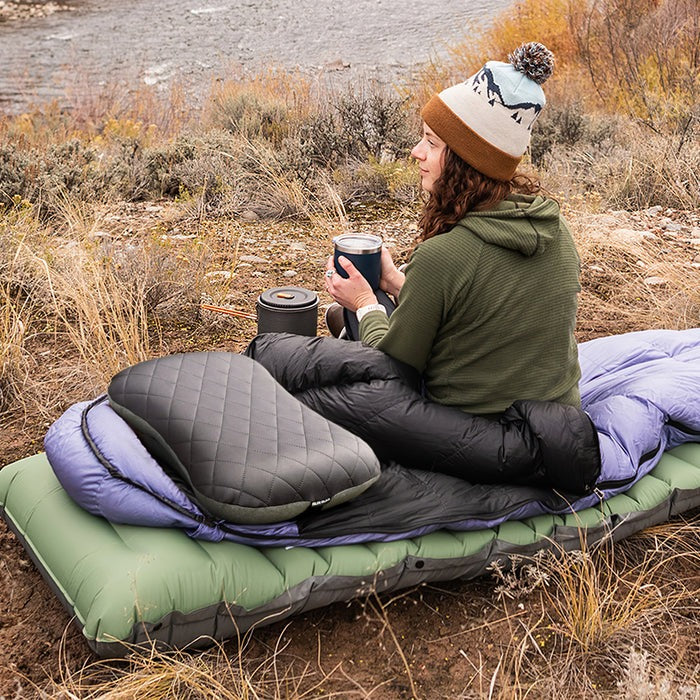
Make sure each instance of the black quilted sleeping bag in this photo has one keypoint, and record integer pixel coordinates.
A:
(536, 443)
(236, 441)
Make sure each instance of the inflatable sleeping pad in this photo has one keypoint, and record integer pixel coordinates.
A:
(125, 583)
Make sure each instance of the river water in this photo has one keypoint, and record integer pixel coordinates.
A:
(158, 41)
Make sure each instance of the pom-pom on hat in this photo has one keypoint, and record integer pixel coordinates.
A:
(487, 120)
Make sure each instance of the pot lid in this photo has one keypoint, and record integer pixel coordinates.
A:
(288, 298)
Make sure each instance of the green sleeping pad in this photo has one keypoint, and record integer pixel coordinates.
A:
(133, 584)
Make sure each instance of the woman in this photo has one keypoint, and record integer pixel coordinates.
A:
(487, 305)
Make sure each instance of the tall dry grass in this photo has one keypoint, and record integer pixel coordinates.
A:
(71, 287)
(103, 318)
(632, 283)
(18, 306)
(13, 354)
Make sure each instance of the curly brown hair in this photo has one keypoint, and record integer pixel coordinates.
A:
(461, 189)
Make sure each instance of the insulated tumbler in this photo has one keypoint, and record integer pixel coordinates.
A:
(364, 251)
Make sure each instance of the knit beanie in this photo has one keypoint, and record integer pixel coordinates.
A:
(487, 120)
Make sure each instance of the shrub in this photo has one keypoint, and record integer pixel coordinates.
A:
(360, 124)
(374, 124)
(252, 116)
(372, 180)
(642, 57)
(187, 163)
(16, 170)
(72, 167)
(567, 124)
(267, 105)
(44, 176)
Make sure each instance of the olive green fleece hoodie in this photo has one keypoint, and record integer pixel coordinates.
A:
(488, 309)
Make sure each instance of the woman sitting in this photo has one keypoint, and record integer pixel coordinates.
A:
(487, 305)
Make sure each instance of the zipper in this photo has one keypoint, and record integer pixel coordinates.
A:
(612, 484)
(617, 483)
(683, 428)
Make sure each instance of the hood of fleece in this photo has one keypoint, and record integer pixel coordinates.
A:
(524, 223)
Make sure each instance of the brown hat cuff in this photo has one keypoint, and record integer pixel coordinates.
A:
(466, 143)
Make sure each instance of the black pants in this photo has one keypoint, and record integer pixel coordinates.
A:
(352, 327)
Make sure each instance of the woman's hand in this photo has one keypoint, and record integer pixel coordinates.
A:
(353, 292)
(392, 278)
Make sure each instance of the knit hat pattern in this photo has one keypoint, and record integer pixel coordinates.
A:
(487, 120)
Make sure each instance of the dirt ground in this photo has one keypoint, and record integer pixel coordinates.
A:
(450, 636)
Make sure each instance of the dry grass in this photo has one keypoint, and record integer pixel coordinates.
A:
(100, 312)
(18, 308)
(278, 192)
(634, 169)
(67, 286)
(13, 358)
(101, 293)
(604, 616)
(105, 319)
(266, 673)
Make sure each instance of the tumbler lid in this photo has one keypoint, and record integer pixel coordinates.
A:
(357, 243)
(288, 298)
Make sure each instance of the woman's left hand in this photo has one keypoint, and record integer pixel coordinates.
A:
(353, 292)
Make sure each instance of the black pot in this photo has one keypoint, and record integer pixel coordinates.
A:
(288, 310)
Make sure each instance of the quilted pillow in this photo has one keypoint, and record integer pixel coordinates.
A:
(236, 441)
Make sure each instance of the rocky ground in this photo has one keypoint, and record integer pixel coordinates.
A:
(639, 270)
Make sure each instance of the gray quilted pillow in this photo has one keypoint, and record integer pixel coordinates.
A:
(243, 447)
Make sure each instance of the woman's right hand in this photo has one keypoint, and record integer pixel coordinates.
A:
(392, 278)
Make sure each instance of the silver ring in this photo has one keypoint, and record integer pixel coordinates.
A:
(330, 273)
